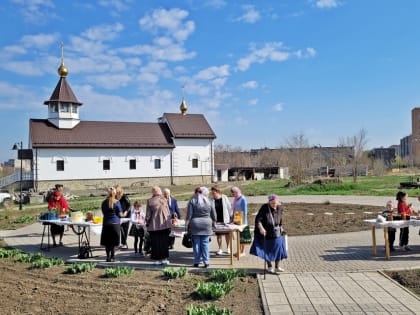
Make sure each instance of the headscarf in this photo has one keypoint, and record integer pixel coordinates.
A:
(237, 195)
(202, 196)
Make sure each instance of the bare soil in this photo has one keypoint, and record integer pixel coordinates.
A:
(50, 291)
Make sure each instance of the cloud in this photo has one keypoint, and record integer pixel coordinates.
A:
(217, 4)
(172, 52)
(25, 68)
(213, 72)
(326, 4)
(36, 11)
(269, 52)
(250, 85)
(171, 22)
(250, 15)
(253, 101)
(152, 72)
(17, 96)
(241, 121)
(110, 81)
(171, 31)
(39, 40)
(103, 106)
(104, 32)
(278, 107)
(117, 5)
(85, 46)
(307, 53)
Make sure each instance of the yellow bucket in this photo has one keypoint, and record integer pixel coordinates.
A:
(97, 220)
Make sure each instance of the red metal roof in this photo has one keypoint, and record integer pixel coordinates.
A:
(100, 134)
(189, 126)
(63, 93)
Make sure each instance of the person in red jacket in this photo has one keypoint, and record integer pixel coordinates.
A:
(58, 202)
(405, 210)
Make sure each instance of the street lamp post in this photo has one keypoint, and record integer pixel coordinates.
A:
(19, 146)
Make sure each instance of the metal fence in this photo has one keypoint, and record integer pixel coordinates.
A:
(14, 178)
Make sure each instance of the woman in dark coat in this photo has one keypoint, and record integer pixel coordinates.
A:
(110, 236)
(268, 243)
(158, 223)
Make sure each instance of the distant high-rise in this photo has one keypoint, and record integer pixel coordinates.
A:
(415, 136)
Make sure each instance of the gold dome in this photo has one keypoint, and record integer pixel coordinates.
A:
(183, 107)
(62, 70)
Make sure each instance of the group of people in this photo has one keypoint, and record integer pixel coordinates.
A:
(205, 209)
(404, 210)
(204, 212)
(155, 220)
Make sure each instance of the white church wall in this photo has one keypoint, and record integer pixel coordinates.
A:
(88, 163)
(188, 149)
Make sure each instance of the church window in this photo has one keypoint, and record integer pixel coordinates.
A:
(74, 109)
(64, 108)
(59, 165)
(194, 163)
(157, 164)
(133, 164)
(106, 165)
(54, 107)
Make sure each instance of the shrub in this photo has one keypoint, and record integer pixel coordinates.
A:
(115, 272)
(80, 268)
(223, 275)
(174, 273)
(25, 219)
(5, 253)
(28, 258)
(43, 262)
(213, 290)
(207, 310)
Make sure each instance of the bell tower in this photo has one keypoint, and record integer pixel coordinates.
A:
(63, 106)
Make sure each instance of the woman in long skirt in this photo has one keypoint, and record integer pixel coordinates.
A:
(268, 242)
(110, 236)
(158, 223)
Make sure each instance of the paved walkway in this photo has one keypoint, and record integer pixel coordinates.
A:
(328, 274)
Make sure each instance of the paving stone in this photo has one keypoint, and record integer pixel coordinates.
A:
(325, 274)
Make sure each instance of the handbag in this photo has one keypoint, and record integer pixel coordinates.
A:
(187, 240)
(85, 251)
(277, 227)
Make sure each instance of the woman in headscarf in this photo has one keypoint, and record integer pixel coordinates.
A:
(158, 223)
(110, 236)
(240, 204)
(201, 217)
(268, 243)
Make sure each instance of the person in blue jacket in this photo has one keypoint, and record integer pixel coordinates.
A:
(110, 236)
(174, 211)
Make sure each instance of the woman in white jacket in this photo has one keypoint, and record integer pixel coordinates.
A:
(223, 214)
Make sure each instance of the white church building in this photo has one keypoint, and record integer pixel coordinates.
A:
(177, 149)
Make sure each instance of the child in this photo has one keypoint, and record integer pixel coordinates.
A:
(138, 216)
(389, 208)
(405, 210)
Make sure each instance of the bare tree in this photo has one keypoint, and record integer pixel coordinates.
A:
(358, 143)
(300, 156)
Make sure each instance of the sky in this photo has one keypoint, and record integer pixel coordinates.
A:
(260, 71)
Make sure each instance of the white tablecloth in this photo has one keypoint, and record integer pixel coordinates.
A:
(394, 224)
